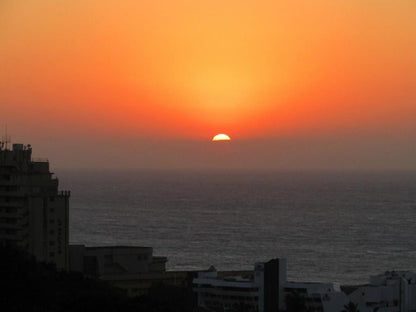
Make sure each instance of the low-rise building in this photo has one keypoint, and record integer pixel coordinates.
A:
(133, 269)
(226, 294)
(264, 290)
(389, 292)
(261, 291)
(316, 297)
(104, 261)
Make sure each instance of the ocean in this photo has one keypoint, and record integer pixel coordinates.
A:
(338, 227)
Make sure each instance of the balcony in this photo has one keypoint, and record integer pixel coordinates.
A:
(12, 182)
(13, 215)
(14, 204)
(64, 193)
(11, 226)
(12, 237)
(12, 193)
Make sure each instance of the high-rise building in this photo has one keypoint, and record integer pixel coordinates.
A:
(33, 213)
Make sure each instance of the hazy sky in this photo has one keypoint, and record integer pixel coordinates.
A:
(127, 83)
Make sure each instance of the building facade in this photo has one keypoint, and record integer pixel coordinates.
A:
(132, 269)
(33, 213)
(114, 260)
(258, 291)
(393, 291)
(315, 297)
(264, 290)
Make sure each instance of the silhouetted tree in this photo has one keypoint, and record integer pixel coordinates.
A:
(33, 286)
(351, 307)
(169, 299)
(295, 302)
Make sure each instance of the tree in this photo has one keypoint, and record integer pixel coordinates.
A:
(34, 286)
(351, 307)
(295, 302)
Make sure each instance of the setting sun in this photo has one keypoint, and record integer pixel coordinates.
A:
(166, 76)
(221, 137)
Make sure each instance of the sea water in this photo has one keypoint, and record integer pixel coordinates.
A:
(336, 227)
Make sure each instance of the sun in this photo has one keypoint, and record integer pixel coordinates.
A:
(221, 137)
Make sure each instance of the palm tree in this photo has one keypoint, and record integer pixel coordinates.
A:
(351, 307)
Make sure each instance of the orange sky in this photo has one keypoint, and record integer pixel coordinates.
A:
(190, 69)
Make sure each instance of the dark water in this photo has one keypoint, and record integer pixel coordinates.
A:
(336, 226)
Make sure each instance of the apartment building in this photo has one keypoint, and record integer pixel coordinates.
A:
(392, 291)
(33, 213)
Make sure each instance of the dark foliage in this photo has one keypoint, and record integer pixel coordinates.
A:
(351, 307)
(295, 302)
(31, 286)
(169, 299)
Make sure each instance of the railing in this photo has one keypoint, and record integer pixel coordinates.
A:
(14, 237)
(9, 215)
(11, 226)
(11, 204)
(39, 159)
(12, 193)
(64, 193)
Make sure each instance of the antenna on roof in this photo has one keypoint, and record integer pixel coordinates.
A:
(2, 142)
(6, 139)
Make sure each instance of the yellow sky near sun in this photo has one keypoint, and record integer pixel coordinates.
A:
(191, 69)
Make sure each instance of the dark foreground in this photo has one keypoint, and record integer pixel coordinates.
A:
(31, 286)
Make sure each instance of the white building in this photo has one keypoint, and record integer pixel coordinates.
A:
(265, 290)
(33, 213)
(261, 290)
(228, 293)
(317, 297)
(388, 292)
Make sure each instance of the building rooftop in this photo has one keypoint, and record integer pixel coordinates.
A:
(117, 247)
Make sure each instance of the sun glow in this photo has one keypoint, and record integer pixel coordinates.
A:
(190, 68)
(221, 137)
